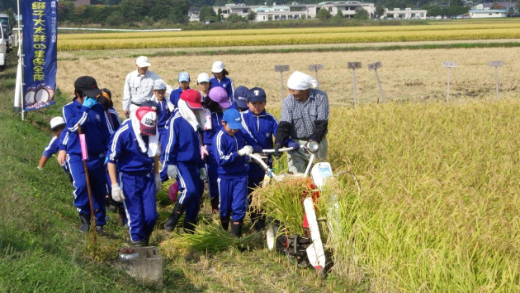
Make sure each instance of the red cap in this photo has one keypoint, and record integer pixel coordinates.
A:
(147, 120)
(192, 98)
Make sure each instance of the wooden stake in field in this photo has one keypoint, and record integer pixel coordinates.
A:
(449, 65)
(315, 68)
(375, 66)
(281, 69)
(496, 64)
(354, 66)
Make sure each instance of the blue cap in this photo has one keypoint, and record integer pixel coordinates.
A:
(240, 96)
(232, 118)
(184, 76)
(256, 94)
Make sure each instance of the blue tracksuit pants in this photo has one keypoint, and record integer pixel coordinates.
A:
(189, 190)
(212, 166)
(140, 204)
(233, 197)
(96, 172)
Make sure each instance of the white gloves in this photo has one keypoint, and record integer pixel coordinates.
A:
(203, 152)
(203, 174)
(247, 150)
(172, 171)
(158, 183)
(117, 193)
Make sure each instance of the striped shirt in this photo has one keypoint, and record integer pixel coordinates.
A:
(302, 116)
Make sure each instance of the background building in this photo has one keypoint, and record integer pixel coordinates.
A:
(407, 13)
(295, 11)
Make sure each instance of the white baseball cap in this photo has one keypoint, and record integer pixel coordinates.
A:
(142, 61)
(217, 67)
(203, 77)
(57, 121)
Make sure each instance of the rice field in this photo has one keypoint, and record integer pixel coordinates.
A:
(437, 211)
(438, 207)
(297, 36)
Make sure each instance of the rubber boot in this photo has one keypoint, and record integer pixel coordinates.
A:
(225, 223)
(84, 227)
(147, 241)
(177, 212)
(236, 228)
(140, 243)
(189, 227)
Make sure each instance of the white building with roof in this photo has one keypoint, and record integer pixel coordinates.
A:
(295, 10)
(487, 13)
(407, 13)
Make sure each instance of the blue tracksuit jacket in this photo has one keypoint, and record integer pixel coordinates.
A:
(124, 149)
(211, 162)
(225, 147)
(260, 129)
(54, 147)
(232, 175)
(163, 114)
(175, 96)
(180, 143)
(136, 180)
(114, 118)
(226, 83)
(95, 125)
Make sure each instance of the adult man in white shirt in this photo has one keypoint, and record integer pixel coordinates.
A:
(139, 86)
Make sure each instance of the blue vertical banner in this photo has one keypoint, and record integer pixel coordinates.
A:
(40, 32)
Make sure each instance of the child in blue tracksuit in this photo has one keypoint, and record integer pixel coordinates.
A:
(164, 107)
(106, 100)
(181, 152)
(133, 151)
(222, 80)
(184, 84)
(259, 126)
(217, 102)
(231, 151)
(85, 112)
(57, 127)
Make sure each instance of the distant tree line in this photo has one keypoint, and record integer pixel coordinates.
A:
(117, 12)
(123, 12)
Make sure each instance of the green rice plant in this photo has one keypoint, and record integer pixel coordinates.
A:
(210, 237)
(282, 201)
